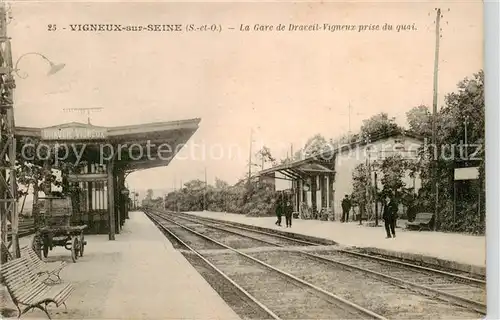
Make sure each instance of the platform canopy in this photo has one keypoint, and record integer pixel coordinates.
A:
(133, 147)
(301, 169)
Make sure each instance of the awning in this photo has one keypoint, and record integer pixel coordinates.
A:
(302, 169)
(134, 147)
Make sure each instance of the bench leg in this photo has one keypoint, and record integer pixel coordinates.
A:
(44, 310)
(32, 307)
(19, 313)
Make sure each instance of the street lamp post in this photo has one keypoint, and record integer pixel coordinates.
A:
(54, 68)
(8, 185)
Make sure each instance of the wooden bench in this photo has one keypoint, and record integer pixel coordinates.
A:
(28, 292)
(41, 268)
(422, 221)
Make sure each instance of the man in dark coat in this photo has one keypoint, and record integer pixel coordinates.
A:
(346, 207)
(279, 211)
(288, 214)
(390, 217)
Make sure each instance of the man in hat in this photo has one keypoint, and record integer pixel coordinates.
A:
(346, 207)
(390, 216)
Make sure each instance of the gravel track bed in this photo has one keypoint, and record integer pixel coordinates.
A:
(229, 239)
(429, 279)
(193, 240)
(175, 243)
(240, 303)
(418, 263)
(270, 238)
(385, 299)
(284, 297)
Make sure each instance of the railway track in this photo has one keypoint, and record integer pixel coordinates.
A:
(26, 227)
(325, 269)
(454, 288)
(284, 296)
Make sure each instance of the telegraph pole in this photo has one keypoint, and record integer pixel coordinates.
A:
(250, 157)
(434, 120)
(205, 192)
(349, 113)
(8, 185)
(376, 199)
(176, 197)
(178, 204)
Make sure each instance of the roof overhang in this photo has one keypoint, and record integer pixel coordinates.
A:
(134, 147)
(301, 169)
(325, 161)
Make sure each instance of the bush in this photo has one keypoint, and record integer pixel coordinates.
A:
(256, 199)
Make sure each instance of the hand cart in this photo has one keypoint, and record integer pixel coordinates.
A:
(55, 214)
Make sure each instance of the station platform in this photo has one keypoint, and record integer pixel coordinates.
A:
(458, 251)
(137, 276)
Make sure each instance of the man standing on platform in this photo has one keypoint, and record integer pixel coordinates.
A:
(346, 207)
(390, 216)
(288, 214)
(279, 210)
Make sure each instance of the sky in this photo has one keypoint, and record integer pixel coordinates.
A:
(284, 86)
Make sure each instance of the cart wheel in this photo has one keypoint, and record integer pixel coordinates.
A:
(75, 249)
(82, 244)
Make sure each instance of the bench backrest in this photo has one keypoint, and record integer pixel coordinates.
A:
(20, 281)
(423, 217)
(31, 257)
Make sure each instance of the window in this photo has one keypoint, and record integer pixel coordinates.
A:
(399, 145)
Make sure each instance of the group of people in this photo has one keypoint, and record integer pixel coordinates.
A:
(284, 207)
(390, 214)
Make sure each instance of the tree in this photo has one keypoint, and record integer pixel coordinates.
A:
(379, 124)
(221, 184)
(464, 111)
(420, 120)
(393, 170)
(149, 194)
(33, 163)
(265, 156)
(359, 183)
(315, 145)
(255, 198)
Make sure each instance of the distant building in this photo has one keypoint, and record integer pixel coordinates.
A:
(322, 181)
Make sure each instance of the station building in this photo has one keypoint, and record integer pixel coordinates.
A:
(321, 181)
(104, 157)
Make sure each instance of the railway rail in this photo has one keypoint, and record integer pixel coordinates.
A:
(398, 275)
(454, 288)
(26, 228)
(303, 298)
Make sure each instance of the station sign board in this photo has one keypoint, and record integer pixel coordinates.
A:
(74, 133)
(470, 173)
